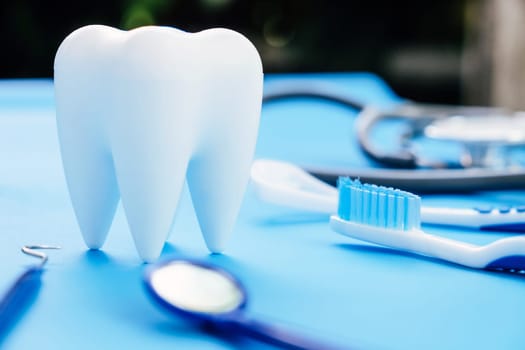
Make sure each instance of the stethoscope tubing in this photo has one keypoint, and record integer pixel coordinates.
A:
(426, 181)
(403, 171)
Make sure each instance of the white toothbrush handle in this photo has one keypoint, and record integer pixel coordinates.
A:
(298, 199)
(284, 184)
(503, 218)
(414, 241)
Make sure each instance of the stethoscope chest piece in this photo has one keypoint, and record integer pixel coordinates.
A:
(486, 140)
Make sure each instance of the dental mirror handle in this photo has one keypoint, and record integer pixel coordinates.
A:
(19, 298)
(274, 335)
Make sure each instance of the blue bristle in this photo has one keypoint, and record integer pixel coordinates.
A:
(373, 206)
(344, 198)
(378, 205)
(407, 219)
(390, 212)
(356, 200)
(401, 212)
(366, 204)
(382, 207)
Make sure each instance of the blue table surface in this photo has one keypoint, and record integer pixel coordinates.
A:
(297, 271)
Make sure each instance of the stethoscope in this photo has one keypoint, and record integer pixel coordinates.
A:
(210, 296)
(487, 136)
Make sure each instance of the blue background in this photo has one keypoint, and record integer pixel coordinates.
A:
(297, 271)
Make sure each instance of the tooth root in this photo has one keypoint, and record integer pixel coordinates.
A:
(219, 172)
(87, 162)
(217, 181)
(151, 166)
(88, 169)
(150, 192)
(93, 192)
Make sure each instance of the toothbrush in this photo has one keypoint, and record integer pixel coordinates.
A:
(391, 218)
(288, 185)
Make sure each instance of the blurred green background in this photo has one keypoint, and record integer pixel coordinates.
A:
(415, 45)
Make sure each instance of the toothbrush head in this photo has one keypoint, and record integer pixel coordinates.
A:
(378, 206)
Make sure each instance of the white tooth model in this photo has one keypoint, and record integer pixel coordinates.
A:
(139, 111)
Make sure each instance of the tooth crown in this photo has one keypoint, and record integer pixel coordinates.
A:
(138, 110)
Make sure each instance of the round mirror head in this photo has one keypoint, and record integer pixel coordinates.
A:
(196, 288)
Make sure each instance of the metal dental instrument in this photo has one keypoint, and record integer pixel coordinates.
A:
(30, 250)
(23, 292)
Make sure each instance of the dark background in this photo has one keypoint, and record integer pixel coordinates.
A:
(415, 46)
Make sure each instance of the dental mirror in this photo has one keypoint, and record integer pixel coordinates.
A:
(206, 294)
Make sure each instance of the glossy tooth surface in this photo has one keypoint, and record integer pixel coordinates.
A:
(139, 111)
